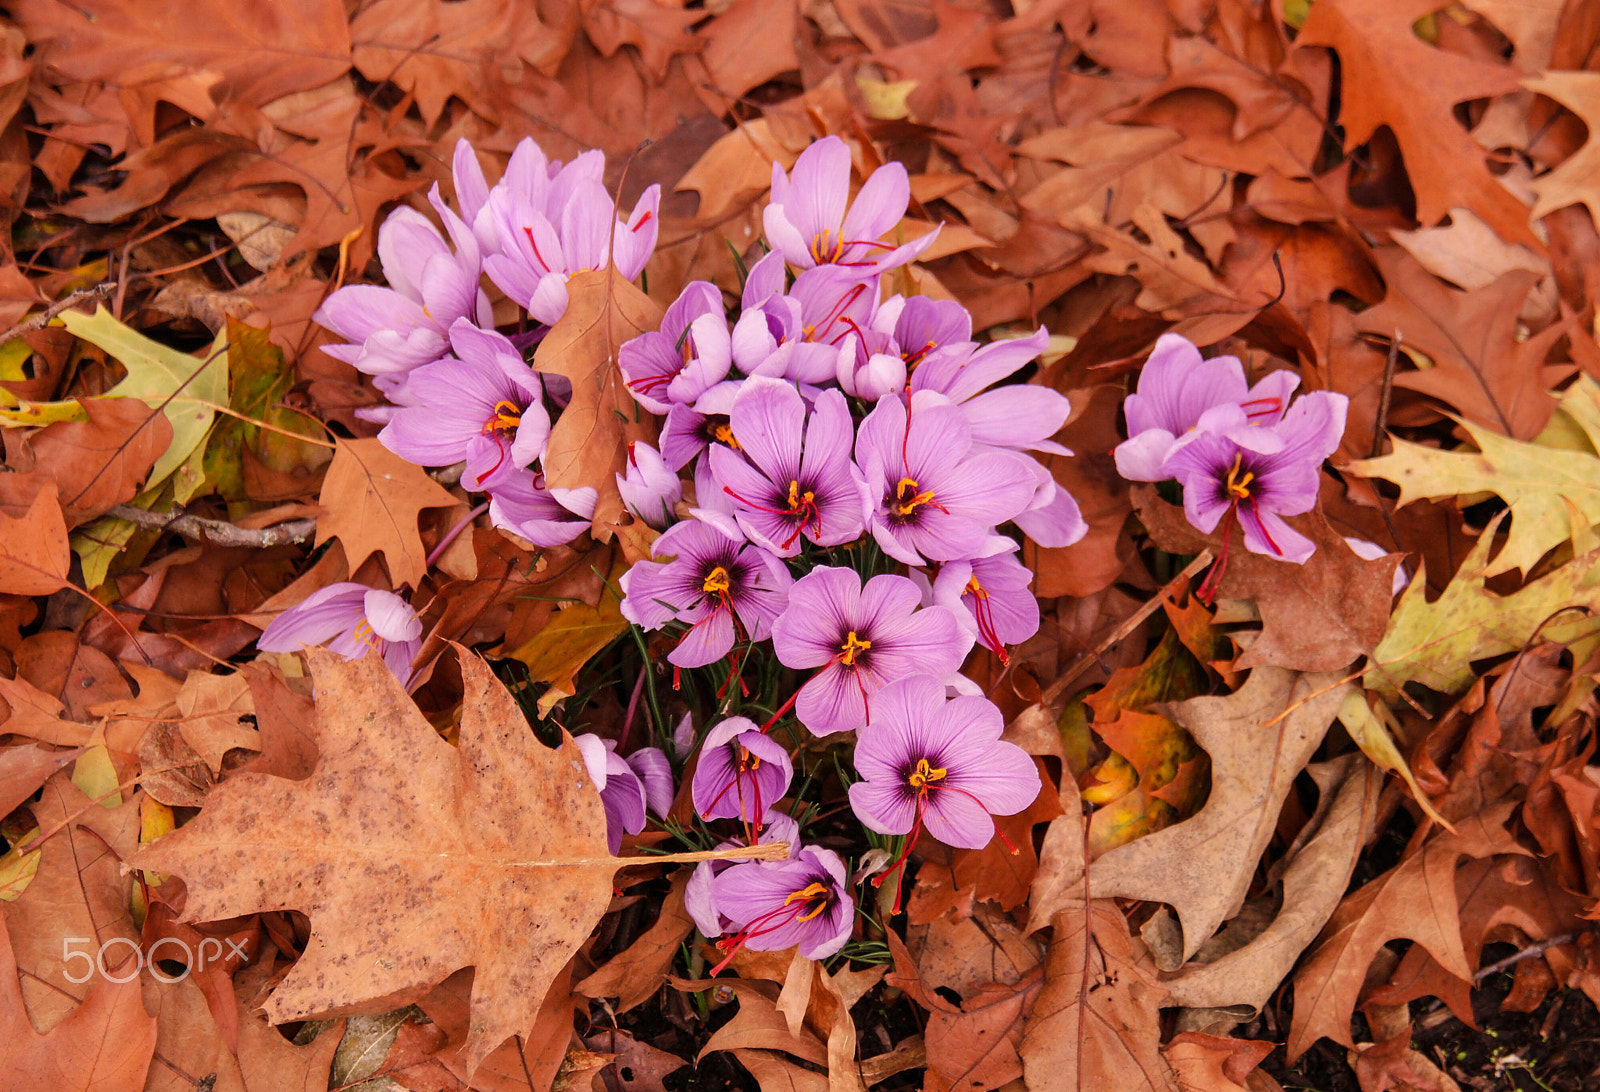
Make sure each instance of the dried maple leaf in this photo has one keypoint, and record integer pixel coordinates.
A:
(1392, 77)
(1479, 365)
(105, 1045)
(497, 847)
(588, 444)
(1415, 900)
(1577, 178)
(34, 557)
(1314, 617)
(1258, 738)
(370, 502)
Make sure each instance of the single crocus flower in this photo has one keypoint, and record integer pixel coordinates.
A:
(676, 364)
(689, 430)
(698, 897)
(784, 487)
(741, 772)
(407, 324)
(352, 620)
(520, 503)
(1230, 467)
(861, 638)
(654, 771)
(934, 495)
(621, 791)
(648, 488)
(992, 595)
(812, 220)
(798, 335)
(928, 763)
(718, 585)
(778, 904)
(1176, 388)
(482, 406)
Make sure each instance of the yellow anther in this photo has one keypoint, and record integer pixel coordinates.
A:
(924, 773)
(977, 589)
(798, 499)
(723, 434)
(716, 582)
(507, 415)
(1239, 479)
(852, 646)
(907, 498)
(806, 894)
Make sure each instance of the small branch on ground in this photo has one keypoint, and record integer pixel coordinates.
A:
(220, 532)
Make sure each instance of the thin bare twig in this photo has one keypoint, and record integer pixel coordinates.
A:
(220, 532)
(42, 319)
(1527, 953)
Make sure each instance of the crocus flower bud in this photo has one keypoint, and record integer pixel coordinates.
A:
(648, 488)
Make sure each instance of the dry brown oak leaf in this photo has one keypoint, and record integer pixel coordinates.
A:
(34, 556)
(103, 1046)
(1576, 178)
(412, 858)
(370, 502)
(589, 442)
(1314, 617)
(1394, 78)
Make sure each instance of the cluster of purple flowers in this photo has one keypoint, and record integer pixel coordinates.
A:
(833, 437)
(460, 391)
(1235, 449)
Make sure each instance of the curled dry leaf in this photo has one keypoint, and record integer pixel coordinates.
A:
(1258, 738)
(472, 837)
(634, 974)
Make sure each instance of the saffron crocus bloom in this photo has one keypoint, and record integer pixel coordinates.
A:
(520, 503)
(779, 904)
(799, 335)
(674, 365)
(741, 772)
(698, 897)
(1176, 388)
(482, 406)
(808, 219)
(939, 765)
(650, 766)
(992, 595)
(352, 620)
(1229, 466)
(407, 324)
(619, 786)
(648, 488)
(784, 487)
(862, 638)
(689, 430)
(714, 583)
(935, 496)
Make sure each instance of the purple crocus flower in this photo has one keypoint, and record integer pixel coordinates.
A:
(676, 364)
(352, 620)
(1261, 473)
(407, 324)
(1176, 388)
(808, 220)
(741, 772)
(928, 763)
(992, 595)
(689, 430)
(654, 771)
(934, 495)
(718, 585)
(799, 335)
(862, 638)
(779, 904)
(539, 249)
(783, 487)
(520, 503)
(483, 406)
(619, 786)
(649, 488)
(698, 897)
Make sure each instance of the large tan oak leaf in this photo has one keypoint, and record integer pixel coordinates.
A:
(411, 857)
(1259, 739)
